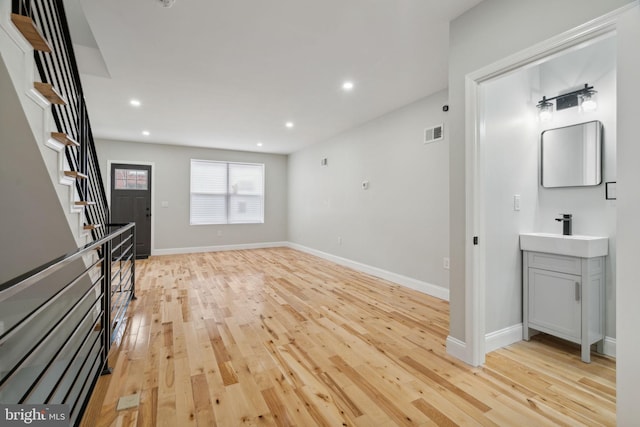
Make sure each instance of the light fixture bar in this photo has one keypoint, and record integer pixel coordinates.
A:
(585, 90)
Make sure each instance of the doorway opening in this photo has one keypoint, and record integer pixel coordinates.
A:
(506, 200)
(131, 201)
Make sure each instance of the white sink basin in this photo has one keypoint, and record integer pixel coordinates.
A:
(578, 246)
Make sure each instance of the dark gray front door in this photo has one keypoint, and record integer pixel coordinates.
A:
(131, 202)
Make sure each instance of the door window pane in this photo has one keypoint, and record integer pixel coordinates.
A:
(131, 179)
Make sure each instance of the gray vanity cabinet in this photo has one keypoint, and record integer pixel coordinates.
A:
(564, 296)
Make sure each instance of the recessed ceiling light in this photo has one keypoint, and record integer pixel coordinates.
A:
(146, 133)
(259, 144)
(289, 124)
(347, 86)
(135, 102)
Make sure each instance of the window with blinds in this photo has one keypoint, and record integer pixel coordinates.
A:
(226, 193)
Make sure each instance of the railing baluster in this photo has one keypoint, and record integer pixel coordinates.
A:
(74, 383)
(106, 310)
(75, 353)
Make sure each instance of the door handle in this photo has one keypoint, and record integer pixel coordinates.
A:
(577, 291)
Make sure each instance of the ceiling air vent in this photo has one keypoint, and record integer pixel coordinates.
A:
(433, 134)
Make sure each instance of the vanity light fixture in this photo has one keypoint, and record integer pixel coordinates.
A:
(588, 100)
(545, 109)
(584, 98)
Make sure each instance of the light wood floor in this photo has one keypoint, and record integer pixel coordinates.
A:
(279, 337)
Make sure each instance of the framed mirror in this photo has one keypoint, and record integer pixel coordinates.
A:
(571, 156)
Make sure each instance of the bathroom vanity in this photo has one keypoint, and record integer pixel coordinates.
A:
(563, 280)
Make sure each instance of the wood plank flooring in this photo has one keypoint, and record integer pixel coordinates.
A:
(277, 337)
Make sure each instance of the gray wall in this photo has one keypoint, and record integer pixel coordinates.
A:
(399, 224)
(511, 146)
(487, 33)
(33, 227)
(171, 174)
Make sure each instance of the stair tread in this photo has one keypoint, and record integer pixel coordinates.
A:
(50, 93)
(28, 29)
(92, 226)
(84, 203)
(65, 139)
(77, 175)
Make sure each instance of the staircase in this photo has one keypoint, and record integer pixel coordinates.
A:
(37, 50)
(59, 319)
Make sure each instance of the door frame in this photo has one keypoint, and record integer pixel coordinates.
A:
(153, 191)
(475, 255)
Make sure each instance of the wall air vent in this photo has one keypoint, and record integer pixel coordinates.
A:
(165, 3)
(433, 134)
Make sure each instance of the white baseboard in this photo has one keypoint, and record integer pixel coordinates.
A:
(198, 249)
(424, 287)
(503, 337)
(457, 349)
(610, 346)
(513, 334)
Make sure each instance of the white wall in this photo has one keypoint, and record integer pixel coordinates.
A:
(494, 30)
(171, 173)
(400, 224)
(511, 147)
(485, 34)
(510, 151)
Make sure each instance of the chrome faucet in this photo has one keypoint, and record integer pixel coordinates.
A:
(566, 224)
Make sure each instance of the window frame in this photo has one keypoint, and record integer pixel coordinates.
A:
(228, 194)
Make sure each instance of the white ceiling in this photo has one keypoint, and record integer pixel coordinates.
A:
(229, 73)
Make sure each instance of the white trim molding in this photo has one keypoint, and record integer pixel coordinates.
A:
(610, 346)
(457, 349)
(418, 285)
(502, 338)
(107, 185)
(219, 248)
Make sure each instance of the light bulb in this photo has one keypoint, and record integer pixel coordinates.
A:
(546, 111)
(588, 101)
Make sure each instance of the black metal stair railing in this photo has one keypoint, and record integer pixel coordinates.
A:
(60, 320)
(59, 68)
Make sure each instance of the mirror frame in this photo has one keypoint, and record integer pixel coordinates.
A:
(599, 133)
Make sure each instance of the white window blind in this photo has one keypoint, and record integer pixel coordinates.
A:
(226, 193)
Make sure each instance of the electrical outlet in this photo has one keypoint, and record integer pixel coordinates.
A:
(516, 202)
(219, 233)
(445, 263)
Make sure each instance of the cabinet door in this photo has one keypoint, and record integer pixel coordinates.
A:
(554, 303)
